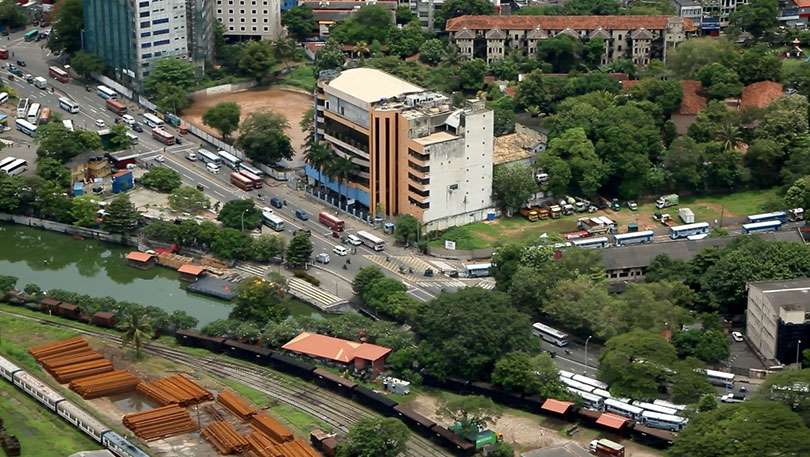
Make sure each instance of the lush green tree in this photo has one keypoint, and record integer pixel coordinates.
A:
(595, 81)
(472, 413)
(683, 164)
(690, 56)
(51, 202)
(57, 142)
(574, 150)
(118, 139)
(12, 189)
(7, 283)
(84, 210)
(582, 305)
(749, 428)
(797, 163)
(161, 179)
(687, 385)
(407, 229)
(765, 158)
(223, 116)
(136, 328)
(666, 94)
(719, 82)
(286, 50)
(122, 217)
(259, 301)
(707, 402)
(513, 185)
(170, 71)
(404, 15)
(66, 33)
(798, 195)
(375, 437)
(647, 306)
(86, 64)
(635, 364)
(407, 40)
(471, 75)
(563, 52)
(786, 387)
(186, 199)
(370, 22)
(53, 170)
(785, 120)
(240, 214)
(300, 22)
(263, 139)
(759, 63)
(756, 17)
(711, 346)
(267, 247)
(299, 251)
(329, 57)
(504, 121)
(432, 51)
(257, 60)
(454, 8)
(531, 375)
(230, 243)
(170, 97)
(364, 277)
(388, 296)
(11, 15)
(453, 340)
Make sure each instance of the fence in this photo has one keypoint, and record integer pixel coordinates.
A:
(205, 136)
(461, 254)
(224, 88)
(112, 84)
(69, 229)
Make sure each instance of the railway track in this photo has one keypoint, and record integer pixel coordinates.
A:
(323, 404)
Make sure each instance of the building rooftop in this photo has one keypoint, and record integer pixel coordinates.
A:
(562, 22)
(371, 85)
(791, 294)
(189, 269)
(566, 450)
(327, 347)
(760, 94)
(137, 256)
(686, 3)
(433, 138)
(520, 145)
(692, 102)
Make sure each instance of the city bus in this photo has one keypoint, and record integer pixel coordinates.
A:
(116, 107)
(577, 385)
(32, 35)
(762, 227)
(68, 124)
(655, 408)
(642, 237)
(6, 161)
(589, 400)
(241, 181)
(550, 334)
(68, 105)
(623, 409)
(591, 243)
(26, 127)
(602, 393)
(683, 231)
(22, 108)
(257, 181)
(3, 53)
(15, 168)
(33, 113)
(246, 167)
(274, 222)
(719, 378)
(663, 421)
(477, 270)
(163, 136)
(230, 160)
(590, 381)
(775, 216)
(371, 241)
(333, 222)
(152, 121)
(44, 116)
(106, 93)
(667, 404)
(58, 74)
(208, 156)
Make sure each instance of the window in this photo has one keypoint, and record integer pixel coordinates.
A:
(144, 24)
(145, 34)
(146, 45)
(147, 55)
(160, 21)
(161, 42)
(161, 32)
(144, 14)
(143, 4)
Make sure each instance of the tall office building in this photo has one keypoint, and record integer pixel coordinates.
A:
(250, 18)
(200, 26)
(109, 33)
(413, 151)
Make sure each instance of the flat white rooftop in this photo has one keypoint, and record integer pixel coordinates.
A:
(371, 85)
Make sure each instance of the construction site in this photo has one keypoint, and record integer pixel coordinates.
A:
(170, 415)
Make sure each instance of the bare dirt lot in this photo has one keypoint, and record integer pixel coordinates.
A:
(289, 103)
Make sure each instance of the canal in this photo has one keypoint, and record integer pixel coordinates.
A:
(56, 261)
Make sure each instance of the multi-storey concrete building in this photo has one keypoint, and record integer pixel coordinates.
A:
(640, 38)
(328, 13)
(414, 153)
(250, 18)
(778, 318)
(689, 9)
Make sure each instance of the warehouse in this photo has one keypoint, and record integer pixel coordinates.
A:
(360, 355)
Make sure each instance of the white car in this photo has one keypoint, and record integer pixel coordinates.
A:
(322, 258)
(100, 123)
(737, 336)
(340, 250)
(353, 240)
(160, 159)
(128, 119)
(191, 156)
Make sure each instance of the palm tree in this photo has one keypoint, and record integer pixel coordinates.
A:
(361, 49)
(729, 136)
(136, 328)
(318, 155)
(285, 50)
(340, 169)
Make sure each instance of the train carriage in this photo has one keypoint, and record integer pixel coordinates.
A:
(450, 440)
(332, 381)
(198, 340)
(7, 369)
(37, 389)
(249, 352)
(292, 366)
(378, 402)
(120, 446)
(414, 419)
(81, 420)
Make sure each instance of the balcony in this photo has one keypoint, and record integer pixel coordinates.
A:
(349, 144)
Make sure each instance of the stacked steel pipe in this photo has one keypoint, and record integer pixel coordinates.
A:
(236, 404)
(224, 437)
(176, 389)
(114, 382)
(60, 348)
(160, 422)
(260, 445)
(272, 428)
(81, 370)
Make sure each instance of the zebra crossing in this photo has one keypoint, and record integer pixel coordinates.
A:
(417, 264)
(252, 269)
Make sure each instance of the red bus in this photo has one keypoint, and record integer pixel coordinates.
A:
(257, 181)
(163, 136)
(3, 53)
(331, 221)
(58, 74)
(241, 181)
(116, 107)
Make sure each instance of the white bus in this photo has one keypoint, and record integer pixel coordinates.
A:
(152, 121)
(33, 113)
(590, 381)
(602, 393)
(371, 241)
(719, 378)
(683, 231)
(624, 239)
(274, 222)
(208, 157)
(26, 127)
(623, 409)
(655, 408)
(6, 161)
(15, 168)
(230, 160)
(550, 334)
(22, 108)
(244, 166)
(589, 400)
(775, 216)
(68, 105)
(591, 243)
(663, 421)
(762, 227)
(566, 374)
(106, 93)
(577, 385)
(667, 404)
(68, 124)
(478, 270)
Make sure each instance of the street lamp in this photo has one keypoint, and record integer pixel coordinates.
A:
(798, 346)
(587, 340)
(242, 218)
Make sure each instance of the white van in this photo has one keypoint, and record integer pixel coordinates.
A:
(212, 168)
(3, 97)
(353, 240)
(133, 139)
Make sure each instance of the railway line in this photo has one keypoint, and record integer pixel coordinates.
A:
(323, 404)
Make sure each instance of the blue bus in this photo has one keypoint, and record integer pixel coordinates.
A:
(591, 243)
(762, 227)
(106, 93)
(477, 270)
(683, 231)
(775, 216)
(642, 237)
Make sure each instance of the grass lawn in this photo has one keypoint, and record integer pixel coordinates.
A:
(301, 76)
(299, 421)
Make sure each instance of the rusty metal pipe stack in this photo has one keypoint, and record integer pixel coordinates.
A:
(160, 422)
(176, 389)
(224, 437)
(101, 385)
(236, 404)
(270, 427)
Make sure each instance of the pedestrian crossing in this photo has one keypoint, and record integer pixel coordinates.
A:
(252, 270)
(411, 262)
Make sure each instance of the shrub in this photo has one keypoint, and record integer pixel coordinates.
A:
(302, 274)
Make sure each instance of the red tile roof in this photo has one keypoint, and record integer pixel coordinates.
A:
(760, 94)
(556, 406)
(802, 3)
(612, 421)
(628, 84)
(138, 256)
(327, 347)
(189, 269)
(692, 102)
(562, 22)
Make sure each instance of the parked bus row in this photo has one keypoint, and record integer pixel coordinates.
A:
(13, 166)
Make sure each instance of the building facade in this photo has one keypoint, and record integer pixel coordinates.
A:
(109, 32)
(414, 153)
(778, 318)
(328, 13)
(250, 18)
(200, 31)
(640, 38)
(689, 9)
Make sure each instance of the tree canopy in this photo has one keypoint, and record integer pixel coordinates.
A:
(161, 179)
(223, 116)
(375, 437)
(240, 214)
(263, 139)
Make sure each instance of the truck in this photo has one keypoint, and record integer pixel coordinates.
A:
(592, 225)
(664, 219)
(686, 215)
(556, 211)
(615, 205)
(795, 214)
(530, 214)
(606, 448)
(665, 201)
(41, 82)
(481, 438)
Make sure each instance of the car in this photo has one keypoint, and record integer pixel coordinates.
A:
(353, 240)
(277, 202)
(632, 205)
(301, 214)
(100, 123)
(267, 210)
(191, 156)
(21, 62)
(737, 336)
(177, 140)
(128, 119)
(322, 258)
(137, 127)
(732, 398)
(15, 70)
(340, 250)
(160, 159)
(29, 78)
